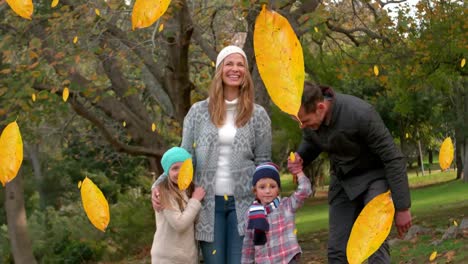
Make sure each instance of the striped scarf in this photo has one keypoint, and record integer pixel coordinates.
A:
(258, 221)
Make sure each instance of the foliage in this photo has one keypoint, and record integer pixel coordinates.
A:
(65, 235)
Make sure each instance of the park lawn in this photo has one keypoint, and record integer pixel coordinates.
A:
(437, 201)
(442, 192)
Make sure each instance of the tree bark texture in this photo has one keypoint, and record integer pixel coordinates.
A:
(17, 222)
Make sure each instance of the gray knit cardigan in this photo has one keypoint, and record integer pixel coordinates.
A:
(252, 146)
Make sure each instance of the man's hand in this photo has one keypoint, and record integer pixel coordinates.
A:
(155, 199)
(402, 221)
(295, 167)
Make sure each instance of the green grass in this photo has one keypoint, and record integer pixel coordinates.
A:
(442, 193)
(428, 179)
(437, 201)
(419, 250)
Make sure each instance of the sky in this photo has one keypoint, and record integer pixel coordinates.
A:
(411, 3)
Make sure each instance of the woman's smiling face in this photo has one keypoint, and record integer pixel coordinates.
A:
(233, 70)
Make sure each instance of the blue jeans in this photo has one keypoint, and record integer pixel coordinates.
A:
(227, 245)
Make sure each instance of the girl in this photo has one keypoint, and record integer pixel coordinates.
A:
(174, 240)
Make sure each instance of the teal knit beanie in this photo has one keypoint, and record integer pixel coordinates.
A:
(173, 155)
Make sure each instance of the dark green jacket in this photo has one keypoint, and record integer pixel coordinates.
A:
(360, 148)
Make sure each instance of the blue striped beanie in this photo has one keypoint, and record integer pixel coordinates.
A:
(267, 170)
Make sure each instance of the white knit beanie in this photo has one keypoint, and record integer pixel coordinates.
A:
(228, 51)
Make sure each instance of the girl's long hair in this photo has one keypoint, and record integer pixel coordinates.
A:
(245, 105)
(169, 190)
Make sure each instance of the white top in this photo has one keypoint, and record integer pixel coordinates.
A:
(226, 133)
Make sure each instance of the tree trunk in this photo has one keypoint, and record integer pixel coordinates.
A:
(465, 126)
(421, 160)
(460, 100)
(33, 153)
(465, 168)
(21, 245)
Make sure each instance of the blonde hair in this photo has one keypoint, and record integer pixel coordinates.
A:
(217, 106)
(170, 191)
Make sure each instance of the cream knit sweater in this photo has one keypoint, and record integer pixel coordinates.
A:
(174, 240)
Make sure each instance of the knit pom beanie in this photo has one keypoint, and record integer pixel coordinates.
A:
(173, 155)
(226, 51)
(267, 170)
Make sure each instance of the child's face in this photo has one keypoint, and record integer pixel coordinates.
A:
(174, 171)
(266, 190)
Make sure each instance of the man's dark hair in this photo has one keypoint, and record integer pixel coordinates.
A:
(311, 95)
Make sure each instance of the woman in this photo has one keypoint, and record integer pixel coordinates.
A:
(227, 135)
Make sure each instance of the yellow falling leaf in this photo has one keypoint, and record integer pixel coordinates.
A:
(212, 64)
(316, 29)
(292, 157)
(280, 60)
(455, 223)
(98, 13)
(462, 63)
(194, 145)
(376, 70)
(124, 124)
(371, 228)
(161, 27)
(153, 127)
(295, 231)
(23, 8)
(214, 252)
(433, 256)
(185, 174)
(54, 3)
(225, 197)
(145, 12)
(75, 39)
(65, 94)
(446, 154)
(95, 204)
(407, 135)
(11, 152)
(33, 97)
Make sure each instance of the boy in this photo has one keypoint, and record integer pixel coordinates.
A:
(271, 231)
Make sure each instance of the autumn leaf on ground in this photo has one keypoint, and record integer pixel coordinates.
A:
(11, 152)
(23, 8)
(280, 60)
(433, 256)
(145, 12)
(185, 174)
(95, 204)
(450, 255)
(371, 228)
(446, 154)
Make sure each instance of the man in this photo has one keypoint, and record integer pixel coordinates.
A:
(364, 162)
